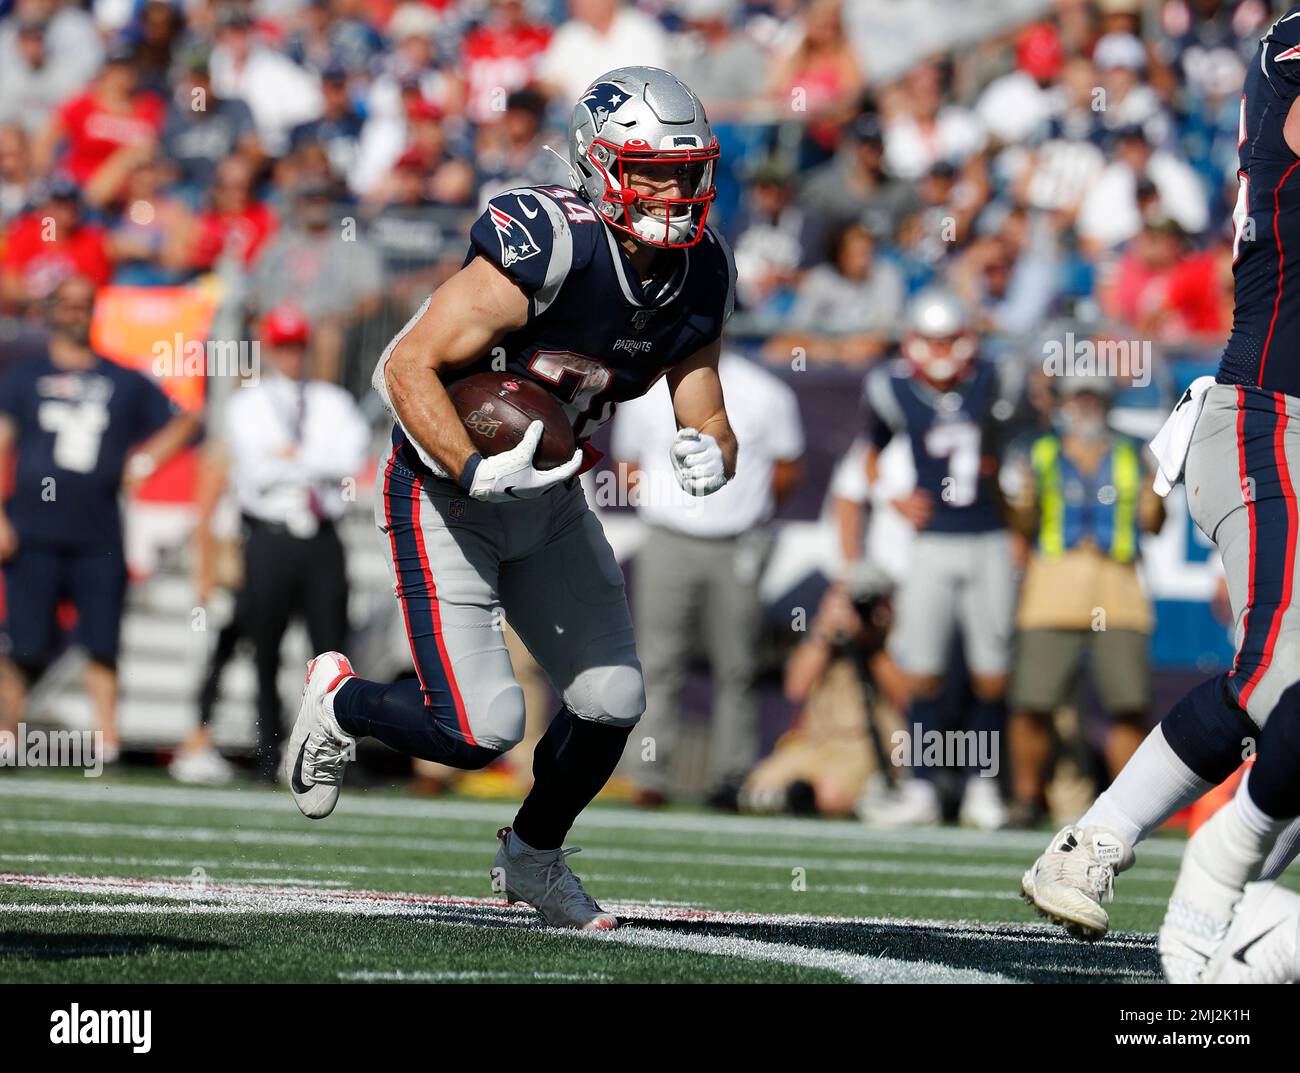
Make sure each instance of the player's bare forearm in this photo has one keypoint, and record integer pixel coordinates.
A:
(466, 317)
(696, 391)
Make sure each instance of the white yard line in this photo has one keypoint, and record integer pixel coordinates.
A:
(858, 968)
(323, 838)
(378, 975)
(597, 817)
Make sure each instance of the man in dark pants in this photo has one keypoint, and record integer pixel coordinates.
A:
(294, 445)
(84, 430)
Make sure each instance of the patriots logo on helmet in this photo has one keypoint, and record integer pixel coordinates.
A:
(517, 243)
(602, 101)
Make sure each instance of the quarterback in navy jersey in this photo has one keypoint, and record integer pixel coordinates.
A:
(1234, 441)
(594, 293)
(952, 406)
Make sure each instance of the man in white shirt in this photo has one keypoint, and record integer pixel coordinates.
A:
(600, 35)
(697, 572)
(295, 446)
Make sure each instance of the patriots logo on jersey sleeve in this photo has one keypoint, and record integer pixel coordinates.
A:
(602, 101)
(517, 243)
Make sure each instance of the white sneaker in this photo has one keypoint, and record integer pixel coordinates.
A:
(543, 879)
(201, 767)
(982, 806)
(1263, 944)
(318, 748)
(1066, 883)
(913, 803)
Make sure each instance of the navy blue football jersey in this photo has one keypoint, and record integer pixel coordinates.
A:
(1261, 350)
(956, 437)
(597, 335)
(73, 433)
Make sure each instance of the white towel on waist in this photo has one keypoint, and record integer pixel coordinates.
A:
(1172, 442)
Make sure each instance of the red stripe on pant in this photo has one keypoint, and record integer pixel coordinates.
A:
(410, 503)
(1288, 576)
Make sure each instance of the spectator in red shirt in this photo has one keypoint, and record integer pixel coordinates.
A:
(1199, 299)
(499, 57)
(112, 117)
(51, 244)
(1137, 293)
(233, 221)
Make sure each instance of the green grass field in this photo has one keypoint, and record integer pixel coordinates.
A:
(132, 878)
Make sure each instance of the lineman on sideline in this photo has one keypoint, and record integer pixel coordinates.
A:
(696, 575)
(292, 442)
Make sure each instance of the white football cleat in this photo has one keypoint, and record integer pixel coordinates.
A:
(912, 803)
(1066, 883)
(544, 880)
(1263, 944)
(318, 748)
(982, 806)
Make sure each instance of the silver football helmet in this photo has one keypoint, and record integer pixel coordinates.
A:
(938, 342)
(642, 119)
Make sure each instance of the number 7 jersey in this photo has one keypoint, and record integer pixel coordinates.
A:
(597, 335)
(956, 437)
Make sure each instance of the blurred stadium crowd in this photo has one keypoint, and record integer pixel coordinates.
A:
(310, 168)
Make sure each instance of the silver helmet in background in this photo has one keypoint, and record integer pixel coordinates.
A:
(938, 340)
(644, 120)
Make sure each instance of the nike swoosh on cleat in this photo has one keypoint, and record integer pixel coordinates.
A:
(295, 780)
(1240, 954)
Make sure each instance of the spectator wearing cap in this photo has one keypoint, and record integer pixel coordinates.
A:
(853, 185)
(844, 309)
(335, 279)
(1139, 285)
(925, 130)
(72, 41)
(775, 239)
(1083, 498)
(50, 244)
(338, 128)
(1111, 212)
(32, 82)
(201, 128)
(278, 92)
(83, 430)
(409, 237)
(1019, 104)
(1121, 62)
(599, 36)
(110, 124)
(697, 571)
(500, 57)
(293, 443)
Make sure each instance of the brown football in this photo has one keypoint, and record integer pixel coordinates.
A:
(497, 409)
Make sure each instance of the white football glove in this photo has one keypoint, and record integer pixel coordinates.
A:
(697, 462)
(511, 474)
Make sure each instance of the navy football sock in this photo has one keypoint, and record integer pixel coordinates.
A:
(1275, 778)
(988, 718)
(1208, 731)
(397, 716)
(574, 759)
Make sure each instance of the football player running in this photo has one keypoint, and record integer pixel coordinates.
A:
(1234, 439)
(952, 405)
(594, 293)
